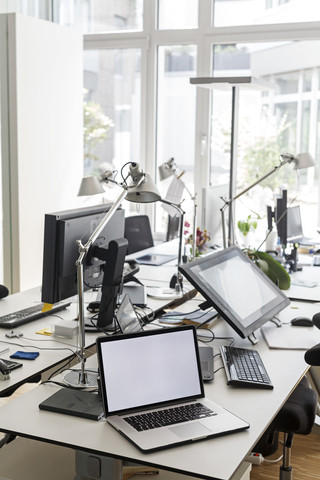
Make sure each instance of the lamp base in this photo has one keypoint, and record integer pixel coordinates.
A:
(77, 378)
(176, 282)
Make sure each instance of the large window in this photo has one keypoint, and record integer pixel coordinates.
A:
(112, 94)
(176, 114)
(275, 116)
(252, 12)
(98, 16)
(139, 56)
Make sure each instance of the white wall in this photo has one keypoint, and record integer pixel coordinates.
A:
(43, 154)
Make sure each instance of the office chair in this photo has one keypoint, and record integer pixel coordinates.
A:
(137, 231)
(297, 416)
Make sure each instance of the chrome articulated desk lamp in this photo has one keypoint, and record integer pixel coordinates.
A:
(302, 160)
(169, 169)
(141, 189)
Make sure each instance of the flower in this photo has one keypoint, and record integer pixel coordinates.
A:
(202, 239)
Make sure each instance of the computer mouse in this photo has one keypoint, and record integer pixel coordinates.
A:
(302, 322)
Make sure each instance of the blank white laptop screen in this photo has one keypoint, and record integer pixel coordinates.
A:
(154, 368)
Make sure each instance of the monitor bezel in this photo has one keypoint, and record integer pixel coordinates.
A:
(216, 300)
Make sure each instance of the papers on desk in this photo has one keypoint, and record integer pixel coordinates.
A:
(304, 283)
(288, 337)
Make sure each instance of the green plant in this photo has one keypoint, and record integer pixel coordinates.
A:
(273, 269)
(248, 225)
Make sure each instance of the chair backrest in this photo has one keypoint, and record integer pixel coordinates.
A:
(137, 231)
(173, 227)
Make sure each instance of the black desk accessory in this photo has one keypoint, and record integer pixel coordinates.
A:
(75, 402)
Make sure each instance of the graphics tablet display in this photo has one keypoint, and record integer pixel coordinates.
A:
(244, 296)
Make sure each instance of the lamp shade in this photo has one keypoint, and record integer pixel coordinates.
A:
(90, 186)
(303, 160)
(166, 169)
(144, 192)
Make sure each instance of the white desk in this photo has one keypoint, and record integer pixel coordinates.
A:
(304, 292)
(217, 458)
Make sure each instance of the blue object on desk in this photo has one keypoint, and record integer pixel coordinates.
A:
(25, 355)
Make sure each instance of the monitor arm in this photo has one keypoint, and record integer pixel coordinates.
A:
(114, 257)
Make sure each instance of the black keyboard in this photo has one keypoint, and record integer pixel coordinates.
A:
(15, 319)
(169, 416)
(244, 367)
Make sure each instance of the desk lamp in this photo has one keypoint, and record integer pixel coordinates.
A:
(90, 185)
(141, 189)
(302, 160)
(169, 169)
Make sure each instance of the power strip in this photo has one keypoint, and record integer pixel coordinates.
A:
(254, 458)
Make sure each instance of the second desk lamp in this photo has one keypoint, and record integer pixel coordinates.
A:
(169, 169)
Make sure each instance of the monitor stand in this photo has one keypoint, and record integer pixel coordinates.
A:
(253, 339)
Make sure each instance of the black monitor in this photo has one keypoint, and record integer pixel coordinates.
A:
(281, 217)
(60, 252)
(294, 223)
(243, 295)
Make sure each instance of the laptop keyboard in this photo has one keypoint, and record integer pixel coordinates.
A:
(244, 367)
(169, 416)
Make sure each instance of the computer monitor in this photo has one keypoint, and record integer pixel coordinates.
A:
(281, 216)
(294, 223)
(243, 295)
(60, 252)
(212, 202)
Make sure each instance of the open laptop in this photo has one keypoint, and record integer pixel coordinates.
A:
(128, 322)
(295, 230)
(147, 377)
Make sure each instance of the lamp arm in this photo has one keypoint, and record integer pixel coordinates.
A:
(286, 158)
(83, 250)
(277, 167)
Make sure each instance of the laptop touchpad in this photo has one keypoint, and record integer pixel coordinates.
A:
(191, 430)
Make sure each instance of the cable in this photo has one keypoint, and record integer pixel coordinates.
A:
(60, 384)
(39, 348)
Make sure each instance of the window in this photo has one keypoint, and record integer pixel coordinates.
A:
(274, 118)
(177, 14)
(112, 81)
(253, 12)
(154, 46)
(98, 16)
(176, 113)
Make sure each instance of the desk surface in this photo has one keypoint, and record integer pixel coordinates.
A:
(215, 458)
(59, 350)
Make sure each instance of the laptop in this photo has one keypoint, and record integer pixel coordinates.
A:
(128, 322)
(126, 317)
(148, 377)
(294, 228)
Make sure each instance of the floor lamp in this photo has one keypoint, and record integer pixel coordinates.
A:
(302, 160)
(141, 189)
(235, 83)
(169, 169)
